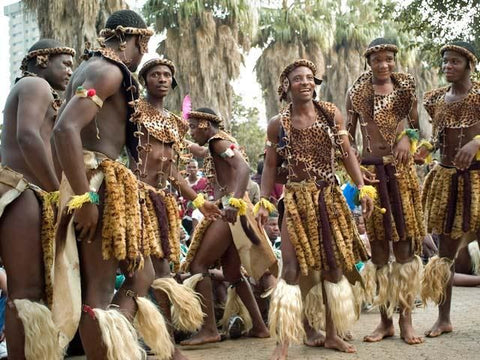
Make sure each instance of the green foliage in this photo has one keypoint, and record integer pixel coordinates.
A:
(435, 22)
(245, 128)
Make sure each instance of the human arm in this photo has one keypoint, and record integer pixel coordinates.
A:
(407, 139)
(467, 153)
(197, 150)
(106, 79)
(352, 120)
(351, 164)
(34, 100)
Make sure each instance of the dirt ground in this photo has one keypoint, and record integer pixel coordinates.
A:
(463, 343)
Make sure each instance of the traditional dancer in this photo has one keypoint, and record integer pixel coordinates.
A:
(232, 241)
(384, 103)
(320, 243)
(28, 189)
(90, 135)
(450, 194)
(163, 133)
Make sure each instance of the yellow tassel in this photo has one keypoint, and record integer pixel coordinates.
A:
(367, 190)
(239, 204)
(426, 144)
(429, 158)
(77, 201)
(477, 157)
(53, 197)
(413, 146)
(265, 203)
(199, 201)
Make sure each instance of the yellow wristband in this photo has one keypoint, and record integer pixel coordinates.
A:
(367, 190)
(426, 144)
(53, 197)
(265, 203)
(239, 204)
(77, 201)
(199, 201)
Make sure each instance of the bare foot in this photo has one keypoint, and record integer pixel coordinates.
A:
(406, 330)
(280, 352)
(381, 332)
(439, 328)
(177, 355)
(314, 338)
(339, 344)
(260, 333)
(201, 338)
(348, 336)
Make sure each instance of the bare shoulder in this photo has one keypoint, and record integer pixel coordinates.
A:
(100, 73)
(273, 126)
(34, 86)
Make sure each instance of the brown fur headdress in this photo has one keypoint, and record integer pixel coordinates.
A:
(290, 68)
(43, 55)
(150, 64)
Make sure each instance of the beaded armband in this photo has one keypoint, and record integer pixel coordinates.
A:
(343, 133)
(239, 204)
(266, 204)
(268, 143)
(229, 153)
(77, 201)
(413, 135)
(89, 94)
(199, 201)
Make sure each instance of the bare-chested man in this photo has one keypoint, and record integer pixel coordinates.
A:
(320, 244)
(451, 191)
(384, 103)
(234, 240)
(27, 186)
(100, 202)
(164, 133)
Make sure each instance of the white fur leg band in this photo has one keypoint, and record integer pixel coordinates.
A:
(235, 306)
(436, 276)
(341, 303)
(315, 308)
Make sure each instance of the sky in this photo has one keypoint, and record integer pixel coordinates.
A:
(246, 85)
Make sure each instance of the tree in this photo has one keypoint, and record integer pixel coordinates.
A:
(245, 128)
(73, 22)
(204, 40)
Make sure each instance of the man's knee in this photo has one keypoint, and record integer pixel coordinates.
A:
(290, 272)
(380, 253)
(197, 268)
(33, 293)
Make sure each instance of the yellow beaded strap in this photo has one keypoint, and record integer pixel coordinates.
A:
(239, 204)
(199, 201)
(266, 204)
(77, 201)
(413, 135)
(89, 94)
(477, 157)
(53, 197)
(371, 192)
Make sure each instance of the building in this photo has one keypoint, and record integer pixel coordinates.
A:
(23, 33)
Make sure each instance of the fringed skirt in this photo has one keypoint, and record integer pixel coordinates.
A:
(321, 228)
(399, 194)
(451, 199)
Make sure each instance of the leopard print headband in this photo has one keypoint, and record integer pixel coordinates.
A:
(462, 51)
(382, 47)
(43, 56)
(151, 64)
(120, 32)
(290, 68)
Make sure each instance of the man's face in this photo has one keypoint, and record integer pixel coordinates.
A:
(382, 64)
(136, 55)
(455, 66)
(199, 135)
(301, 84)
(271, 228)
(192, 168)
(159, 81)
(58, 71)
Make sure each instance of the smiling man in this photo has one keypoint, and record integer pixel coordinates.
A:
(28, 183)
(383, 102)
(320, 244)
(451, 194)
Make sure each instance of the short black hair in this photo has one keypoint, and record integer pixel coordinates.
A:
(45, 44)
(260, 167)
(125, 18)
(381, 41)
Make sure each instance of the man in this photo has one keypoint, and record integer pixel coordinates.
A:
(450, 194)
(28, 184)
(383, 102)
(164, 132)
(317, 230)
(100, 205)
(234, 240)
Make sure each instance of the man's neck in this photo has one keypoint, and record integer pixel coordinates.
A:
(192, 178)
(380, 82)
(156, 102)
(304, 108)
(461, 87)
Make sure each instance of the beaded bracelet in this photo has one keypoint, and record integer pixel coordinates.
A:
(239, 204)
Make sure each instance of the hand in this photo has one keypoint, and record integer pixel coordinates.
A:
(85, 220)
(262, 217)
(465, 155)
(401, 150)
(210, 211)
(369, 178)
(420, 155)
(367, 206)
(230, 214)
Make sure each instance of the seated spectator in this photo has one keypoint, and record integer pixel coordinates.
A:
(467, 266)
